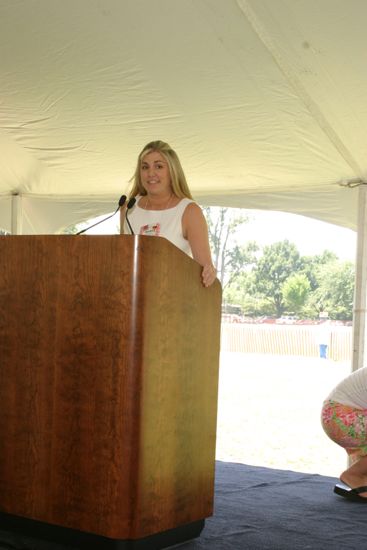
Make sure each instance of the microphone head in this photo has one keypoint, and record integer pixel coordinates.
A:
(131, 203)
(122, 200)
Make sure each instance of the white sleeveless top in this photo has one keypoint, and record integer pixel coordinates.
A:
(160, 223)
(352, 390)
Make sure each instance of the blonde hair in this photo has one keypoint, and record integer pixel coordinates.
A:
(178, 180)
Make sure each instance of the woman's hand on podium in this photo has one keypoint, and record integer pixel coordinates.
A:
(208, 274)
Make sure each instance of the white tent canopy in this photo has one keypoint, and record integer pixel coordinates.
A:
(264, 101)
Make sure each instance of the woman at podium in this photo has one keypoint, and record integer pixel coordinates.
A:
(161, 204)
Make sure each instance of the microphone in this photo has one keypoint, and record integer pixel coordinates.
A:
(129, 205)
(122, 201)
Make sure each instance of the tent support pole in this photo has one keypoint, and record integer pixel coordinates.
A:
(16, 215)
(359, 313)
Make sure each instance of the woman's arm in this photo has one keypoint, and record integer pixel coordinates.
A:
(195, 230)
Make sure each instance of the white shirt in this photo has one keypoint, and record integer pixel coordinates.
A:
(160, 223)
(352, 390)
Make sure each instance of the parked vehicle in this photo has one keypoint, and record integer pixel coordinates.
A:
(286, 320)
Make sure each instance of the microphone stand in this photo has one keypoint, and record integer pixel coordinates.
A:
(121, 203)
(129, 205)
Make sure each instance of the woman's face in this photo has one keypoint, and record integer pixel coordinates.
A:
(154, 174)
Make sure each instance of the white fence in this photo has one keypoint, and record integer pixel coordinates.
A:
(286, 340)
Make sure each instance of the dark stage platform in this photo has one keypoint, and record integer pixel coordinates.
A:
(261, 509)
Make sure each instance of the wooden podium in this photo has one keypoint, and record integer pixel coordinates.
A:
(109, 354)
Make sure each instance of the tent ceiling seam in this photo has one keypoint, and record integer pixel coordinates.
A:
(302, 94)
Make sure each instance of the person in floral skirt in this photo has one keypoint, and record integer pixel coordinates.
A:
(344, 420)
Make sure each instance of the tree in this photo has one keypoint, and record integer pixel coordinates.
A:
(229, 258)
(279, 261)
(335, 291)
(295, 291)
(312, 264)
(72, 229)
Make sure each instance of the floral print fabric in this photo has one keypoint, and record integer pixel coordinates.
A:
(346, 426)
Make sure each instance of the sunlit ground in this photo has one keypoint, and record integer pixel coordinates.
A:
(269, 412)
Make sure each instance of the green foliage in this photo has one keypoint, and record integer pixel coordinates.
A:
(277, 279)
(335, 290)
(312, 264)
(278, 262)
(73, 229)
(295, 291)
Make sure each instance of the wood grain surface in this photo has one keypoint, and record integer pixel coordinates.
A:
(109, 353)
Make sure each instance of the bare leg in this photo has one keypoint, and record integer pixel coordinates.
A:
(356, 475)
